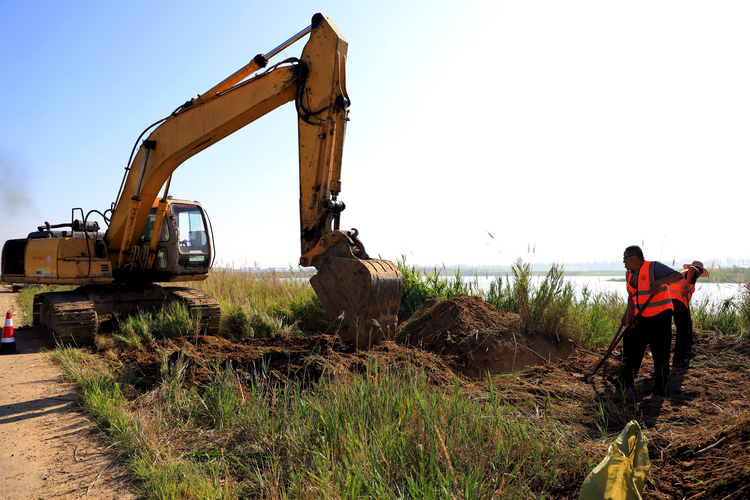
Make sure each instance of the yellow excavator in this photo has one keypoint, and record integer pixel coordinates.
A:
(152, 238)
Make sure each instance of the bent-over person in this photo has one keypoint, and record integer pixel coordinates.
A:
(682, 292)
(654, 325)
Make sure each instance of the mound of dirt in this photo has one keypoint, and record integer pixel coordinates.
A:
(444, 338)
(476, 338)
(279, 357)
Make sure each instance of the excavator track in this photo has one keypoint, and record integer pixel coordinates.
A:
(76, 317)
(200, 303)
(70, 316)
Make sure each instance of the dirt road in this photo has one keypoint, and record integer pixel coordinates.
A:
(49, 449)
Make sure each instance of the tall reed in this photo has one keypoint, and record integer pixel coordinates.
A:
(552, 306)
(729, 317)
(421, 286)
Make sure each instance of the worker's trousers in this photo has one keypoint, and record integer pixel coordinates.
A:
(653, 331)
(683, 341)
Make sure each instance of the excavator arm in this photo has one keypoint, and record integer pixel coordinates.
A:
(316, 82)
(362, 294)
(181, 136)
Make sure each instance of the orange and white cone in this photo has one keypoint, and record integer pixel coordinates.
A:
(8, 342)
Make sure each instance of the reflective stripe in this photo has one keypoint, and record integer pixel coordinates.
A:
(7, 340)
(8, 330)
(640, 290)
(683, 290)
(678, 292)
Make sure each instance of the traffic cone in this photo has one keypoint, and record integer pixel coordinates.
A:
(8, 342)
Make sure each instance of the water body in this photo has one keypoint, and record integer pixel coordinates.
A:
(716, 293)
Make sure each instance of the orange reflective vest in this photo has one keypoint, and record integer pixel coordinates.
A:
(683, 290)
(640, 290)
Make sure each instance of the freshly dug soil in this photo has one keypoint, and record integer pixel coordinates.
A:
(465, 337)
(699, 435)
(476, 338)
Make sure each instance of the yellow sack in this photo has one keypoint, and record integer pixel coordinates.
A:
(621, 474)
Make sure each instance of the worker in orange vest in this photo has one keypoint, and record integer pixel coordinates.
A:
(654, 325)
(681, 293)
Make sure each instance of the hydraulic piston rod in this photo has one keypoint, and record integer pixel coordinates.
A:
(258, 62)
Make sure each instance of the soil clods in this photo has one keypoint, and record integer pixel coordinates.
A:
(699, 434)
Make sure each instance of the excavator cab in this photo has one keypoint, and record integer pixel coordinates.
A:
(195, 249)
(184, 248)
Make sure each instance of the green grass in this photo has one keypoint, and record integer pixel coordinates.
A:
(730, 317)
(420, 287)
(378, 434)
(139, 433)
(144, 327)
(264, 305)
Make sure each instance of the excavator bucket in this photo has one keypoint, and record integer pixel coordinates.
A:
(362, 296)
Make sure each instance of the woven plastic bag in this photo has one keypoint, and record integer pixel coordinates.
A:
(621, 474)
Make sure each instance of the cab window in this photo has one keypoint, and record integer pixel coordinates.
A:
(191, 229)
(148, 228)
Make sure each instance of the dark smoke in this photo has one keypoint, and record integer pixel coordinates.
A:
(18, 211)
(14, 197)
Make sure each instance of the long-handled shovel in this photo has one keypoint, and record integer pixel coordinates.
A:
(618, 336)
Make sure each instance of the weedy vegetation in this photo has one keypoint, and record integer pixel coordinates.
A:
(379, 434)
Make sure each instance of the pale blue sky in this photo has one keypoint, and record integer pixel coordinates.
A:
(573, 128)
